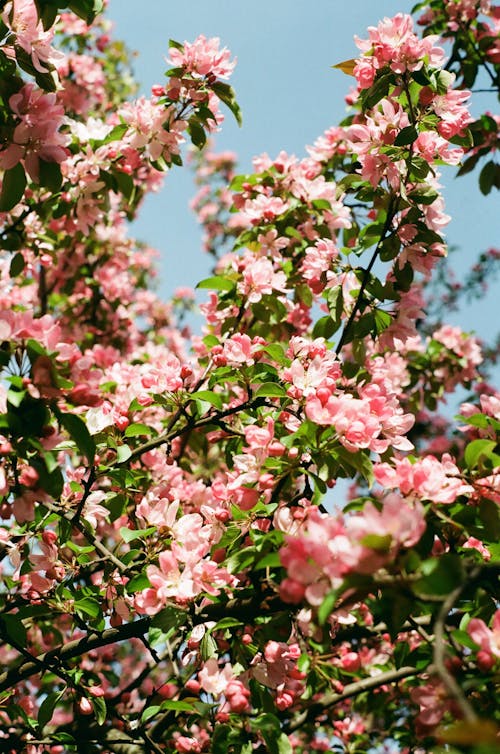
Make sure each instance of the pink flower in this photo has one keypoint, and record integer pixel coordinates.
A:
(394, 43)
(212, 679)
(475, 544)
(259, 278)
(36, 137)
(21, 17)
(487, 639)
(203, 57)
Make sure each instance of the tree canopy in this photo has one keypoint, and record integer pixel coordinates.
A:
(176, 574)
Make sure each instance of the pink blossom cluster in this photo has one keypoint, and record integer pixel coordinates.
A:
(21, 18)
(466, 348)
(286, 183)
(329, 547)
(192, 540)
(224, 685)
(152, 128)
(487, 639)
(277, 669)
(393, 43)
(203, 57)
(36, 134)
(434, 703)
(428, 478)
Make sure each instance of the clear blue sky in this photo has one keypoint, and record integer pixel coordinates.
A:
(289, 94)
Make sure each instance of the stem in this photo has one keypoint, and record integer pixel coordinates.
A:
(190, 425)
(448, 680)
(359, 306)
(73, 649)
(352, 689)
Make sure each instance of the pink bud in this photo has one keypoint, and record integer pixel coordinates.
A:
(85, 706)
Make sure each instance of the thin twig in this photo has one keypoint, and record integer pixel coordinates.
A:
(448, 680)
(352, 689)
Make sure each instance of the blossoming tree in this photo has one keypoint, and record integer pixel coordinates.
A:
(172, 577)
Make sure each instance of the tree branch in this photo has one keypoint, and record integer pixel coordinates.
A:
(352, 689)
(72, 649)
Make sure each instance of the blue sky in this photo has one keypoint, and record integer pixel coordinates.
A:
(289, 95)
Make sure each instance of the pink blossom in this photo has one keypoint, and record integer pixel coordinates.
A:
(487, 639)
(147, 121)
(238, 350)
(36, 136)
(214, 680)
(259, 278)
(21, 17)
(203, 57)
(472, 543)
(394, 43)
(263, 209)
(429, 478)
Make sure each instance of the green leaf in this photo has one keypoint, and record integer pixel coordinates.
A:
(227, 95)
(326, 607)
(13, 185)
(176, 45)
(406, 136)
(64, 738)
(441, 575)
(116, 133)
(86, 9)
(271, 560)
(197, 133)
(16, 397)
(123, 453)
(50, 176)
(170, 618)
(277, 353)
(270, 390)
(268, 726)
(284, 745)
(150, 712)
(321, 204)
(210, 397)
(487, 177)
(217, 283)
(241, 559)
(489, 513)
(377, 542)
(138, 584)
(177, 705)
(208, 647)
(125, 185)
(389, 248)
(100, 711)
(88, 606)
(52, 482)
(16, 265)
(13, 626)
(138, 430)
(324, 328)
(335, 299)
(469, 164)
(378, 91)
(476, 450)
(220, 739)
(382, 320)
(128, 535)
(77, 430)
(476, 420)
(46, 709)
(210, 341)
(422, 195)
(227, 623)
